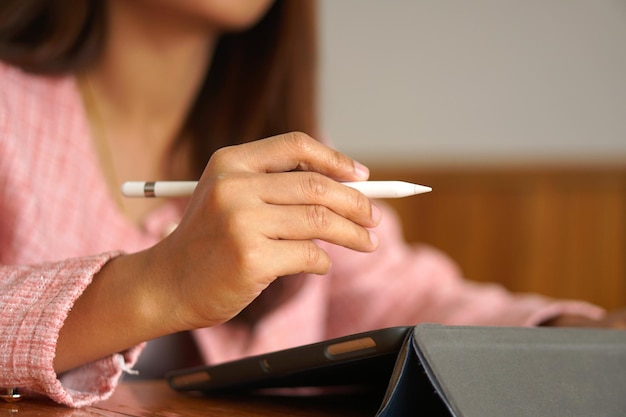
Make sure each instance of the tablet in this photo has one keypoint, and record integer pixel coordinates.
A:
(362, 359)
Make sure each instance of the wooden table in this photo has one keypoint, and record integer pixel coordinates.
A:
(155, 398)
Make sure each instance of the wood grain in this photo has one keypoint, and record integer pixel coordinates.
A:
(156, 398)
(555, 230)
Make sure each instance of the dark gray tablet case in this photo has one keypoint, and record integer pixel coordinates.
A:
(501, 371)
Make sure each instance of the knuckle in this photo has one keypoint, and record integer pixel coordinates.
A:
(246, 253)
(250, 260)
(359, 202)
(300, 144)
(337, 160)
(223, 157)
(311, 254)
(222, 189)
(300, 140)
(318, 218)
(235, 224)
(220, 153)
(314, 187)
(226, 187)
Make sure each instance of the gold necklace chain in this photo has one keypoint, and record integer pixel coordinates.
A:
(99, 134)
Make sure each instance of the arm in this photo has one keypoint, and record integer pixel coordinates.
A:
(34, 302)
(115, 312)
(76, 315)
(614, 320)
(231, 244)
(408, 284)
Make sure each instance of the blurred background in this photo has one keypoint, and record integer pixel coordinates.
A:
(513, 111)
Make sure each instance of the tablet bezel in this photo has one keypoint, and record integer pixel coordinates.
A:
(359, 359)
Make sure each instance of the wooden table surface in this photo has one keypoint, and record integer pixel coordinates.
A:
(155, 398)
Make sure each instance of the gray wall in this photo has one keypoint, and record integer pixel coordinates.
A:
(475, 81)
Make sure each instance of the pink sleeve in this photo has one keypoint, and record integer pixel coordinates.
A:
(34, 303)
(408, 284)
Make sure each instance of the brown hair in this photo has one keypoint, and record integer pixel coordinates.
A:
(261, 81)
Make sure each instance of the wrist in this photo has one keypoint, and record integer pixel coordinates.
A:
(150, 294)
(115, 312)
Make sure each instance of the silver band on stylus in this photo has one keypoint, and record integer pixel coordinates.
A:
(148, 189)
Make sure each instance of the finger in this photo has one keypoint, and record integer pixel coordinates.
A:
(314, 222)
(289, 152)
(293, 188)
(290, 257)
(308, 188)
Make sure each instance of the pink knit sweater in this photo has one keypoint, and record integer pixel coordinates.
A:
(59, 225)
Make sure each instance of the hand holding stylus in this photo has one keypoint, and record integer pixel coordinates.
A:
(255, 215)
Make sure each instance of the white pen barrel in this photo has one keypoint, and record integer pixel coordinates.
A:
(158, 188)
(174, 188)
(387, 189)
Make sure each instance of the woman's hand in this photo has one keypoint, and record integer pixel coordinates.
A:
(254, 216)
(613, 320)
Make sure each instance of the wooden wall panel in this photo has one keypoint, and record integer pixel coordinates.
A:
(559, 231)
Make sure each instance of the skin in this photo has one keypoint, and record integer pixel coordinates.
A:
(613, 320)
(205, 272)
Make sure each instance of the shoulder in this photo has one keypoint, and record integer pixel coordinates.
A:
(34, 106)
(23, 93)
(40, 118)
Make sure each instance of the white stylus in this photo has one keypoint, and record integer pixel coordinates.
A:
(371, 189)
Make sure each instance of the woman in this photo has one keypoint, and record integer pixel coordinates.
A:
(114, 90)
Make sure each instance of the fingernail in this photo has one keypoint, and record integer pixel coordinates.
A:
(373, 238)
(361, 171)
(376, 214)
